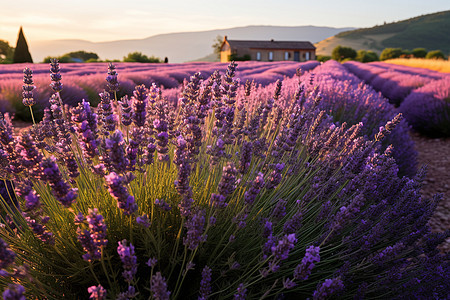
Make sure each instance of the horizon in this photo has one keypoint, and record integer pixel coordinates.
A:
(87, 21)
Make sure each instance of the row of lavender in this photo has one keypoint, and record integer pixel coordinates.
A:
(421, 95)
(237, 192)
(86, 81)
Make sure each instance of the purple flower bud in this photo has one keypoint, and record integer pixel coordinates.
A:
(113, 84)
(143, 220)
(27, 94)
(241, 292)
(14, 292)
(328, 288)
(194, 225)
(281, 250)
(151, 262)
(117, 189)
(97, 292)
(158, 287)
(7, 256)
(205, 284)
(303, 270)
(129, 260)
(55, 75)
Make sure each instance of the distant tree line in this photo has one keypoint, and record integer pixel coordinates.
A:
(21, 54)
(342, 54)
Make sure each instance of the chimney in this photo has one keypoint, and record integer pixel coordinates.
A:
(272, 40)
(225, 38)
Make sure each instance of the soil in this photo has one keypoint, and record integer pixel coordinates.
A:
(433, 152)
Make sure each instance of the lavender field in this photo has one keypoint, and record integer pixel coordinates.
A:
(255, 181)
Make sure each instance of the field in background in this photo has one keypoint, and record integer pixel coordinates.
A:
(431, 64)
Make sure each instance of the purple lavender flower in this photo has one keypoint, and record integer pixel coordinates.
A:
(115, 148)
(25, 190)
(241, 292)
(288, 283)
(7, 256)
(28, 87)
(246, 157)
(226, 186)
(275, 176)
(256, 186)
(151, 262)
(61, 190)
(194, 225)
(93, 239)
(129, 260)
(139, 103)
(116, 188)
(113, 84)
(162, 204)
(30, 154)
(40, 230)
(294, 223)
(286, 244)
(87, 128)
(328, 288)
(126, 111)
(143, 220)
(129, 294)
(14, 292)
(279, 211)
(107, 117)
(303, 270)
(158, 287)
(97, 292)
(55, 75)
(205, 284)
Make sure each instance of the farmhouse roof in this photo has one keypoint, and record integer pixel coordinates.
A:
(272, 44)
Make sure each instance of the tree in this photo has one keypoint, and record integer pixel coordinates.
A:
(419, 52)
(435, 54)
(340, 53)
(21, 53)
(6, 52)
(390, 53)
(366, 56)
(142, 58)
(217, 45)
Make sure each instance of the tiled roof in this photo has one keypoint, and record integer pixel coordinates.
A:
(271, 44)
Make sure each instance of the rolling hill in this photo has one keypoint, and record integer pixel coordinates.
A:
(430, 31)
(181, 46)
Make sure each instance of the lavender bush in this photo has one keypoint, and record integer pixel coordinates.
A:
(427, 109)
(222, 196)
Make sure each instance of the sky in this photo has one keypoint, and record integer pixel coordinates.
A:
(100, 20)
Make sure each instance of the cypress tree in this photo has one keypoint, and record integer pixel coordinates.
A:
(21, 53)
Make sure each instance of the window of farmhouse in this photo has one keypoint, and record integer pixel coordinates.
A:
(286, 55)
(270, 55)
(258, 55)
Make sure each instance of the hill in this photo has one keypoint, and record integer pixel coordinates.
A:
(430, 31)
(181, 46)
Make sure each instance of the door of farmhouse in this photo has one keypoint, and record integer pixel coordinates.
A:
(296, 56)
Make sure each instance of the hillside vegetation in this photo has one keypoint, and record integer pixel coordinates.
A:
(430, 31)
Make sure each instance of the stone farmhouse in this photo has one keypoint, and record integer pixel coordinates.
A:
(266, 50)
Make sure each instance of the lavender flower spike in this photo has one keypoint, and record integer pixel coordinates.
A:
(61, 190)
(7, 256)
(328, 288)
(14, 292)
(303, 270)
(116, 188)
(205, 284)
(129, 260)
(241, 292)
(55, 75)
(97, 292)
(113, 84)
(28, 87)
(158, 287)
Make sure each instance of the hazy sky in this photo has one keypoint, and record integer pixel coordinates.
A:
(99, 20)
